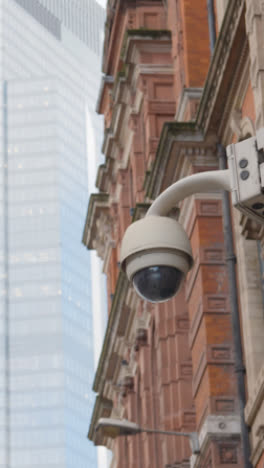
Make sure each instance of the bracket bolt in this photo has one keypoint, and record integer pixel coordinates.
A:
(243, 163)
(244, 175)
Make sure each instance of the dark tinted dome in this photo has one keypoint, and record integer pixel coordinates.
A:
(157, 283)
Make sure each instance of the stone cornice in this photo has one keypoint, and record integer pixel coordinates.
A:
(169, 130)
(102, 409)
(136, 37)
(216, 427)
(115, 8)
(102, 173)
(115, 317)
(111, 135)
(133, 36)
(178, 139)
(123, 84)
(187, 95)
(110, 334)
(97, 201)
(106, 82)
(220, 69)
(203, 133)
(120, 322)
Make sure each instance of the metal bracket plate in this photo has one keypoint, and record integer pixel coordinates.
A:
(247, 176)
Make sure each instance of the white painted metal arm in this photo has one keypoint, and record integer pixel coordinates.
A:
(112, 427)
(209, 181)
(192, 436)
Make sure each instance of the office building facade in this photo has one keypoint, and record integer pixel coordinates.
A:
(50, 63)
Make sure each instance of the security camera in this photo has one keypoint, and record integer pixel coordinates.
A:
(156, 252)
(156, 256)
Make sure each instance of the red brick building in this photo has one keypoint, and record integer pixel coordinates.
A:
(168, 103)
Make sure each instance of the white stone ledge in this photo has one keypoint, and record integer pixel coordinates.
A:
(216, 427)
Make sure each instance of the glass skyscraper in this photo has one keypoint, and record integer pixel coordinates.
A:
(49, 65)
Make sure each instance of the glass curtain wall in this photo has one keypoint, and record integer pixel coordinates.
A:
(49, 77)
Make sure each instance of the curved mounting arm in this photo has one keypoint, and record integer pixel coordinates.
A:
(113, 428)
(192, 436)
(203, 182)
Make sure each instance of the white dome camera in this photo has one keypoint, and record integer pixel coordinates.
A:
(156, 252)
(156, 256)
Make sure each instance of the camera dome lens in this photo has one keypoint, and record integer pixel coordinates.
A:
(157, 283)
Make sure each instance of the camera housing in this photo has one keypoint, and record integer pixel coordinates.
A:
(156, 256)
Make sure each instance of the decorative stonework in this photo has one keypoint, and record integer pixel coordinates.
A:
(228, 455)
(255, 25)
(127, 385)
(233, 92)
(141, 337)
(219, 429)
(219, 62)
(102, 409)
(189, 148)
(189, 95)
(103, 240)
(221, 6)
(247, 128)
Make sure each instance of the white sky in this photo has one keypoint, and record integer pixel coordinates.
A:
(97, 280)
(102, 2)
(104, 457)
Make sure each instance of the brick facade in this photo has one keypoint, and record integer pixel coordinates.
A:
(166, 105)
